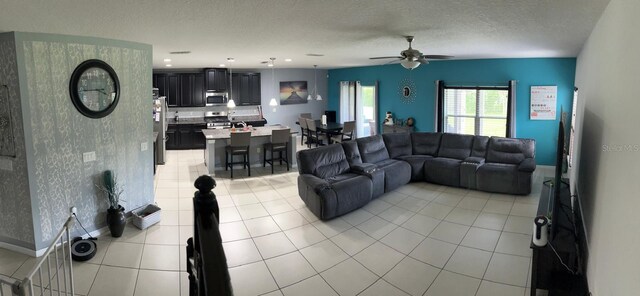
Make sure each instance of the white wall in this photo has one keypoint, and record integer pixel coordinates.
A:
(607, 75)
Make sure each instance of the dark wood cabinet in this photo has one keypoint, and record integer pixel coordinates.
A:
(246, 89)
(185, 136)
(191, 90)
(181, 89)
(216, 80)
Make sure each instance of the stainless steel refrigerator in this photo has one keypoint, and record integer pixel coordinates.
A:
(160, 125)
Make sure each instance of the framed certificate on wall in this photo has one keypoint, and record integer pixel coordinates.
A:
(543, 102)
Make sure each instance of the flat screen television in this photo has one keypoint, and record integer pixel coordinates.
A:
(557, 181)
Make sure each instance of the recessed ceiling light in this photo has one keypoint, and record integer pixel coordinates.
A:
(315, 55)
(168, 65)
(231, 60)
(223, 65)
(167, 60)
(288, 60)
(180, 52)
(270, 65)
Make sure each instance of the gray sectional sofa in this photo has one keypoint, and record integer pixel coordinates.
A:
(339, 178)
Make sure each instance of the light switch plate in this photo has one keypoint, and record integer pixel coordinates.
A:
(144, 146)
(6, 164)
(89, 156)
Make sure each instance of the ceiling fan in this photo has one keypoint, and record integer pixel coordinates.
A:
(412, 58)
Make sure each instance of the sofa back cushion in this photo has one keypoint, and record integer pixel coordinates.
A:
(352, 152)
(455, 146)
(323, 162)
(425, 143)
(398, 144)
(372, 149)
(510, 150)
(480, 144)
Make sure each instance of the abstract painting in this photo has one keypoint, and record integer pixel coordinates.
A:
(293, 92)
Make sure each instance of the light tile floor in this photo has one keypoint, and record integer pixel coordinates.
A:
(422, 239)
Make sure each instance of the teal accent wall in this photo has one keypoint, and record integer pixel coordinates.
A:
(486, 72)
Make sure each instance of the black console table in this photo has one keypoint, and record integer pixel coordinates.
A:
(547, 271)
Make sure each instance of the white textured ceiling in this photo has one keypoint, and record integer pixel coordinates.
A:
(347, 32)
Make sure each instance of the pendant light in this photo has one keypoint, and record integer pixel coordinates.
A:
(231, 103)
(315, 86)
(273, 103)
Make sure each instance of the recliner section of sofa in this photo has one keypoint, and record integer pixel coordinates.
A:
(327, 185)
(508, 166)
(396, 172)
(339, 178)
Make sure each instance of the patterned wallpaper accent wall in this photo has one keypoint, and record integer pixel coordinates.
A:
(58, 134)
(16, 226)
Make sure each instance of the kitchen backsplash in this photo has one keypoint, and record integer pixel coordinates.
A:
(198, 112)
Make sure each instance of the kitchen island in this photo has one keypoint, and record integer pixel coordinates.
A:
(218, 139)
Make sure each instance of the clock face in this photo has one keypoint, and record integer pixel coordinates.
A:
(94, 88)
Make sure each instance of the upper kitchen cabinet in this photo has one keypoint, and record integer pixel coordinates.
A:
(191, 90)
(216, 79)
(168, 85)
(181, 89)
(246, 89)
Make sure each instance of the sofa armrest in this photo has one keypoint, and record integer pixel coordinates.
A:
(316, 183)
(474, 160)
(363, 168)
(527, 165)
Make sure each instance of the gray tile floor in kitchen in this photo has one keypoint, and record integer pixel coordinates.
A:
(421, 239)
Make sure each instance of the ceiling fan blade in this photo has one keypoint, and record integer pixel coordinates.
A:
(394, 61)
(422, 60)
(436, 57)
(380, 58)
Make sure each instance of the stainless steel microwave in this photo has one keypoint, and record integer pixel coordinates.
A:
(216, 98)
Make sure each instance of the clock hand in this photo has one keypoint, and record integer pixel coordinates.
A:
(97, 89)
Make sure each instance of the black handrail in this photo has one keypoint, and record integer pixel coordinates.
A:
(206, 261)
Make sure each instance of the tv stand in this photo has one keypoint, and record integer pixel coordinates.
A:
(547, 271)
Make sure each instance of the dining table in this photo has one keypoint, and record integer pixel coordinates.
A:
(331, 128)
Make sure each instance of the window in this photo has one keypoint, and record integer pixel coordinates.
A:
(483, 111)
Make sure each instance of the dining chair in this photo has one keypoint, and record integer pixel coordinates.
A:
(305, 115)
(239, 145)
(346, 134)
(313, 133)
(303, 129)
(279, 143)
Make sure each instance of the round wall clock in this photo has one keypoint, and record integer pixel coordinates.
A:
(94, 88)
(407, 91)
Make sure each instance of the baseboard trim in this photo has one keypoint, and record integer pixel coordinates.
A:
(40, 252)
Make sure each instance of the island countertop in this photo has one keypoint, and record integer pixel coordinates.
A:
(220, 134)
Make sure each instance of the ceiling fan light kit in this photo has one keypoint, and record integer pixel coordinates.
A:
(412, 58)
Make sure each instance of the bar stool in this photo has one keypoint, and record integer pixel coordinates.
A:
(304, 129)
(239, 145)
(279, 143)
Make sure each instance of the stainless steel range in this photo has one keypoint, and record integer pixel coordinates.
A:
(217, 119)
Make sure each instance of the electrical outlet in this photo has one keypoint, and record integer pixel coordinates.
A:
(6, 164)
(74, 210)
(144, 146)
(89, 156)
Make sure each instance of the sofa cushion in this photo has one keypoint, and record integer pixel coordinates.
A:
(323, 162)
(372, 149)
(425, 143)
(396, 173)
(497, 177)
(455, 146)
(398, 144)
(442, 170)
(417, 165)
(352, 152)
(510, 150)
(479, 148)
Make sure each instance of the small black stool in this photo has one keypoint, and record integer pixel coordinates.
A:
(279, 143)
